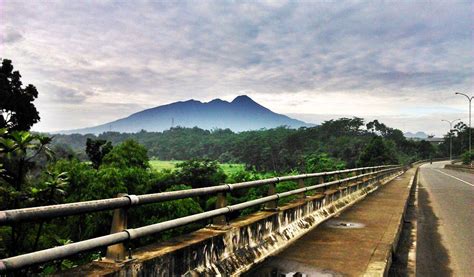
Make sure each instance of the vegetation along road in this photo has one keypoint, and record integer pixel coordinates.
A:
(445, 236)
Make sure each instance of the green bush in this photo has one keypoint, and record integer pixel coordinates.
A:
(200, 173)
(467, 157)
(127, 154)
(321, 163)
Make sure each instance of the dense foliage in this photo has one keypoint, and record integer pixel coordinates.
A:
(96, 150)
(467, 157)
(378, 152)
(460, 137)
(123, 170)
(277, 150)
(17, 111)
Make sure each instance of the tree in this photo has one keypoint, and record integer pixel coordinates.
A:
(460, 137)
(17, 111)
(127, 154)
(378, 152)
(63, 151)
(18, 150)
(389, 133)
(200, 173)
(342, 126)
(96, 150)
(51, 192)
(376, 126)
(425, 149)
(321, 163)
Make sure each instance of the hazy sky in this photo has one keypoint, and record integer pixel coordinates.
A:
(96, 61)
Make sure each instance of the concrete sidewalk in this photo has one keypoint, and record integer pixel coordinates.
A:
(358, 242)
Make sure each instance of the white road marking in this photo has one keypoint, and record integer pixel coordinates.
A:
(472, 185)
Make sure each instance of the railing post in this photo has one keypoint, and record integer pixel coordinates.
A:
(116, 252)
(300, 186)
(338, 186)
(378, 178)
(334, 177)
(221, 202)
(272, 205)
(365, 179)
(321, 181)
(344, 183)
(371, 177)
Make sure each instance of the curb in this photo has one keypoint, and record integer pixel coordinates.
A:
(411, 263)
(379, 264)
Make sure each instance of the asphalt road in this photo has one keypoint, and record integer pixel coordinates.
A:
(445, 236)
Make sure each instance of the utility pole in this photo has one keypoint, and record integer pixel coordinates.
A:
(450, 137)
(470, 129)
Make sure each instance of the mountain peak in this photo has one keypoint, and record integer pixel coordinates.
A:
(418, 134)
(242, 99)
(242, 114)
(217, 100)
(191, 101)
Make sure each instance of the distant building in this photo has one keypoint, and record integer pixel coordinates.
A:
(434, 140)
(431, 139)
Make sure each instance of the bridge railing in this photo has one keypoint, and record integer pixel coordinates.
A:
(326, 180)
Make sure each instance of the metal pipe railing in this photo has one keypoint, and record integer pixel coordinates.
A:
(60, 252)
(52, 211)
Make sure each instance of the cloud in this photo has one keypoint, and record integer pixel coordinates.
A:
(78, 115)
(151, 53)
(10, 36)
(65, 95)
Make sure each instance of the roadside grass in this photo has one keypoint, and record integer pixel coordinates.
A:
(232, 168)
(161, 165)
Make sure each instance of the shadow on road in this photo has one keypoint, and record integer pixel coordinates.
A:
(432, 258)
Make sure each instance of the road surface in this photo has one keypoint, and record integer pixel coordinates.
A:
(351, 244)
(445, 237)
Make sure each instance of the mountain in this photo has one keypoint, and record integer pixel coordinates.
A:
(421, 135)
(242, 114)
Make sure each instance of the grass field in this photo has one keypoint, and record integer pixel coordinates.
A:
(160, 165)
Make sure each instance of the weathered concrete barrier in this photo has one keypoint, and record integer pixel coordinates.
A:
(382, 257)
(238, 246)
(459, 167)
(404, 254)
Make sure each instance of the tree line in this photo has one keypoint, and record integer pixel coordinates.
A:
(282, 149)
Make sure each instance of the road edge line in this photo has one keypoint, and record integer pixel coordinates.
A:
(454, 177)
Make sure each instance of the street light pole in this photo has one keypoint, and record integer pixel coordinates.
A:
(470, 101)
(450, 137)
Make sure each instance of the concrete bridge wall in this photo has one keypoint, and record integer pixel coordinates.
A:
(235, 248)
